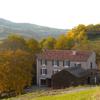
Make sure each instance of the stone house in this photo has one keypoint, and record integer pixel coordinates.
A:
(51, 62)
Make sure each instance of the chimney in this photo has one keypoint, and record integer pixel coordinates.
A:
(73, 52)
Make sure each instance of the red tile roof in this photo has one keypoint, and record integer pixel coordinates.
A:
(71, 55)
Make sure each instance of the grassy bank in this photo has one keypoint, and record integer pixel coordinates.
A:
(83, 95)
(78, 93)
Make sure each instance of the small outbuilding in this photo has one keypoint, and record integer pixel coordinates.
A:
(72, 76)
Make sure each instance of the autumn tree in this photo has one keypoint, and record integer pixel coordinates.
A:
(48, 43)
(90, 46)
(42, 42)
(14, 42)
(33, 45)
(90, 27)
(81, 36)
(79, 32)
(14, 37)
(15, 70)
(61, 42)
(16, 64)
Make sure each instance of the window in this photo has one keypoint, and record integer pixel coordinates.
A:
(43, 71)
(43, 81)
(43, 62)
(66, 63)
(40, 61)
(55, 62)
(77, 65)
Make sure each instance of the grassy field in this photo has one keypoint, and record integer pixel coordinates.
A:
(83, 95)
(78, 93)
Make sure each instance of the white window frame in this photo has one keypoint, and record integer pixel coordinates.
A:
(55, 63)
(43, 62)
(65, 65)
(43, 71)
(40, 81)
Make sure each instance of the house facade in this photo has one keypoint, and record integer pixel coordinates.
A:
(50, 62)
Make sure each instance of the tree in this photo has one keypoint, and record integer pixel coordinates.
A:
(77, 34)
(81, 36)
(42, 42)
(61, 42)
(90, 46)
(33, 45)
(14, 37)
(17, 58)
(48, 43)
(14, 42)
(15, 70)
(90, 27)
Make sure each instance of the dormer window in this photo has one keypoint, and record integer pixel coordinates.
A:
(55, 62)
(66, 63)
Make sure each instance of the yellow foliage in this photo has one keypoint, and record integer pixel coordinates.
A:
(15, 70)
(61, 42)
(70, 34)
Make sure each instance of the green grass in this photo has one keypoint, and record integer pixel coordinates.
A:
(83, 95)
(63, 94)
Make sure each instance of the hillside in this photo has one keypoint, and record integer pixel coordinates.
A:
(27, 30)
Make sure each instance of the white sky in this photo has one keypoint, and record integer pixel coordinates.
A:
(52, 13)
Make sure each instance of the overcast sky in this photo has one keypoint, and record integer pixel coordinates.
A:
(52, 13)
